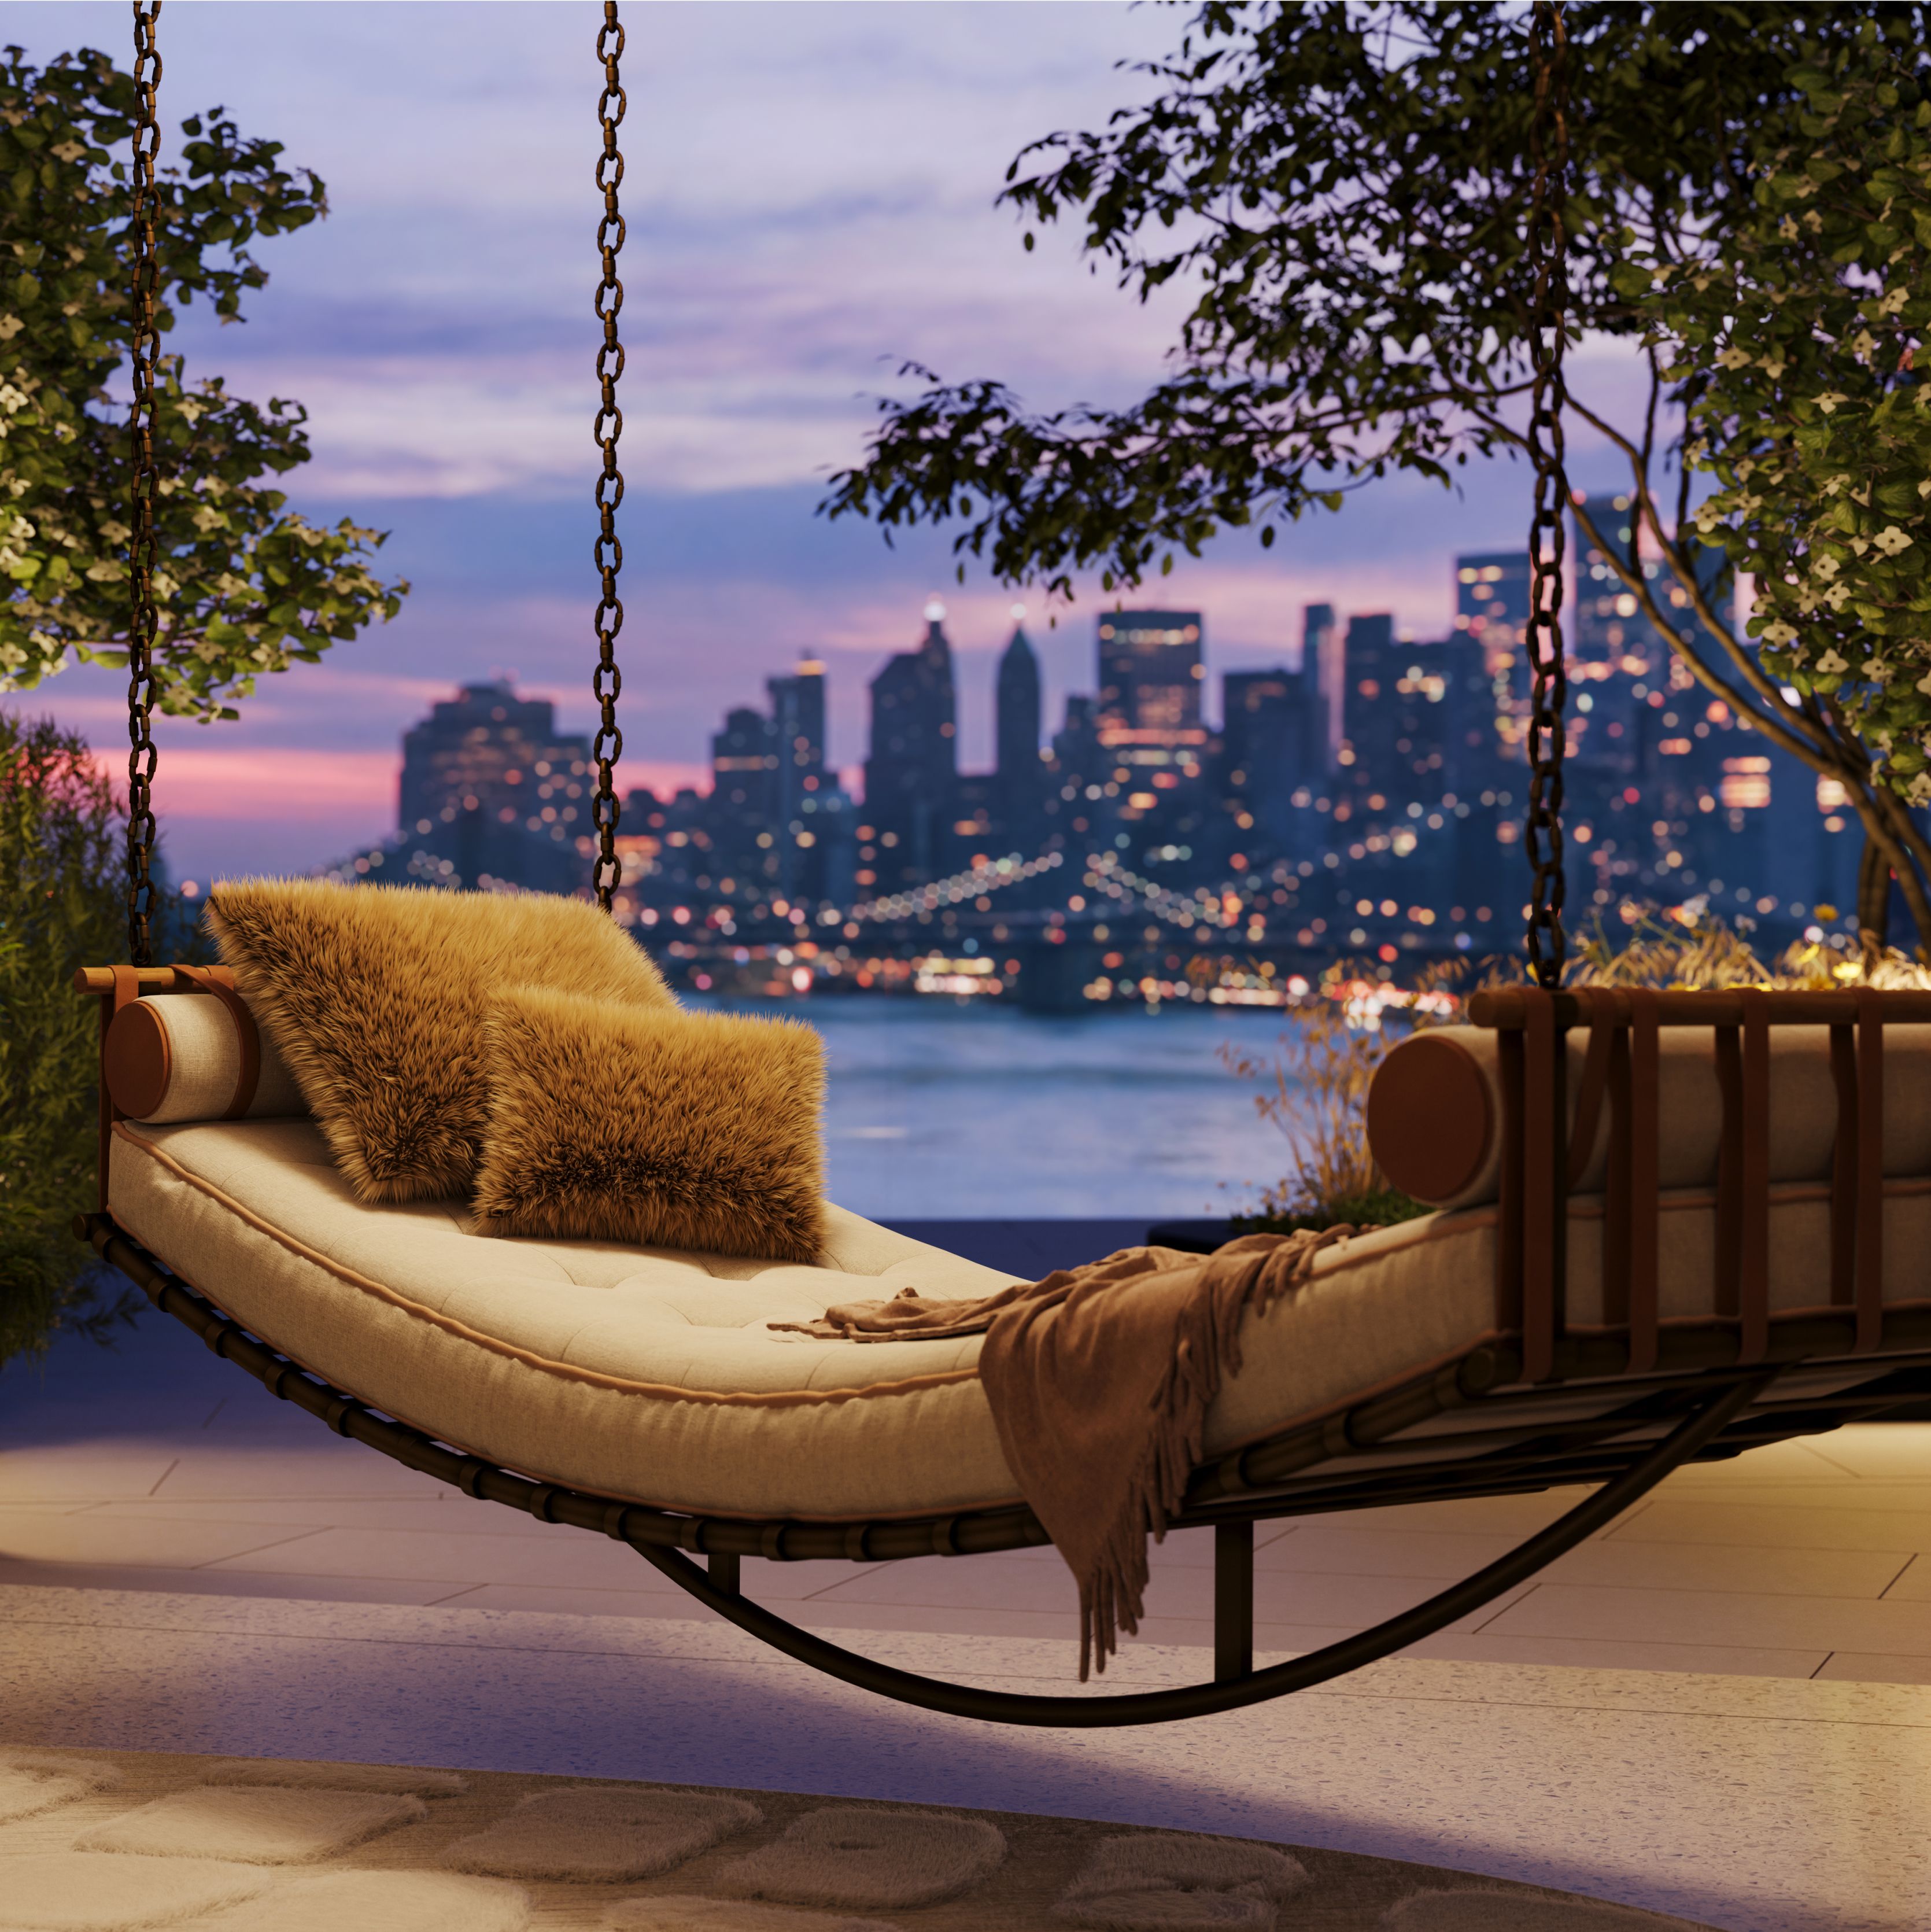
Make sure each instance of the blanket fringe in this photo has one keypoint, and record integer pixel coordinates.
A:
(1207, 1351)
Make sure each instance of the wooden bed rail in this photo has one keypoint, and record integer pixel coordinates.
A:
(1547, 1145)
(1507, 1009)
(102, 979)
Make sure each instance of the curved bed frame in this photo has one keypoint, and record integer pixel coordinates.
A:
(1620, 1406)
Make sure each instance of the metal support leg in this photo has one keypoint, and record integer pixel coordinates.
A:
(1233, 1600)
(724, 1571)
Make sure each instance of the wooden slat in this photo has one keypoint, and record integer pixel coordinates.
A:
(1645, 1200)
(1872, 1012)
(1844, 1168)
(1753, 1248)
(1545, 1172)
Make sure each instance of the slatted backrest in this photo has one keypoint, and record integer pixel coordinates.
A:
(1542, 1160)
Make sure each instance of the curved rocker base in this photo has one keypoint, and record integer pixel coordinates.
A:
(656, 1535)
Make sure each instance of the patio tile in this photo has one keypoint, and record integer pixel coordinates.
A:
(158, 1579)
(1737, 1522)
(451, 1510)
(42, 1536)
(330, 1466)
(1690, 1616)
(1872, 1451)
(1597, 1653)
(1512, 1516)
(1914, 1585)
(430, 1556)
(1857, 1666)
(85, 1472)
(1333, 1547)
(1837, 1492)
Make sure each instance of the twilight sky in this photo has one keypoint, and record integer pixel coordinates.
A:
(810, 190)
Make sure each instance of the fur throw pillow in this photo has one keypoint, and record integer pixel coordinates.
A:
(642, 1124)
(374, 995)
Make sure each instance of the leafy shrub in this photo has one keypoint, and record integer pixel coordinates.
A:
(60, 908)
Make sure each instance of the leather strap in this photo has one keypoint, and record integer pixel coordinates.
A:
(1645, 1217)
(1870, 1168)
(1753, 1267)
(220, 980)
(126, 990)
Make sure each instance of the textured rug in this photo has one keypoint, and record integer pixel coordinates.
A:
(101, 1841)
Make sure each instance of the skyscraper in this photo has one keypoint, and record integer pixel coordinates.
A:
(1019, 776)
(1324, 675)
(1272, 740)
(489, 782)
(744, 790)
(810, 819)
(1150, 673)
(480, 749)
(912, 772)
(1491, 611)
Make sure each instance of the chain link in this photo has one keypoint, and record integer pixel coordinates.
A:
(143, 623)
(608, 682)
(1548, 330)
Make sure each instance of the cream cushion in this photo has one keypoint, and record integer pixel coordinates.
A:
(650, 1374)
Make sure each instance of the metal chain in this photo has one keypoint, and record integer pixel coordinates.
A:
(143, 624)
(1549, 331)
(608, 682)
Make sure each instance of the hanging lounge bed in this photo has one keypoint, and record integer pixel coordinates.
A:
(1673, 1226)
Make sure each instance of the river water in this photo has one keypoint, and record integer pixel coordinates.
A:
(940, 1109)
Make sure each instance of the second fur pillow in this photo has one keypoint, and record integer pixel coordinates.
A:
(647, 1125)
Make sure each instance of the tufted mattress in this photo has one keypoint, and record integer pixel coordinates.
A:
(651, 1375)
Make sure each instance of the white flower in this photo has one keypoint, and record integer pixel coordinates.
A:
(1877, 670)
(1837, 596)
(1732, 358)
(1893, 303)
(1891, 541)
(1828, 401)
(1779, 633)
(1787, 228)
(1826, 566)
(1923, 684)
(1918, 791)
(10, 325)
(1774, 366)
(1832, 664)
(70, 151)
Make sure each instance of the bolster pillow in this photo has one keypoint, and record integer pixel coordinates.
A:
(188, 1057)
(1434, 1110)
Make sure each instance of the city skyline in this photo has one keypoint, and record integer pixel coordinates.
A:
(809, 193)
(1363, 792)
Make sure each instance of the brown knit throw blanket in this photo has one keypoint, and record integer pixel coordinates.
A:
(1100, 1379)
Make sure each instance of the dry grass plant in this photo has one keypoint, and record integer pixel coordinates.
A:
(1693, 950)
(1313, 1091)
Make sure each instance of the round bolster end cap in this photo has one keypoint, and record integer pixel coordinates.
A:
(1429, 1117)
(137, 1061)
